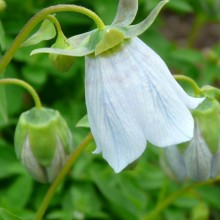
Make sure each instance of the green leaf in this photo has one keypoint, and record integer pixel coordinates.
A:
(46, 31)
(6, 215)
(21, 186)
(84, 122)
(2, 37)
(3, 105)
(180, 6)
(9, 165)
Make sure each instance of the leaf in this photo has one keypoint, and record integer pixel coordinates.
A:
(3, 105)
(2, 37)
(46, 31)
(19, 192)
(180, 6)
(83, 122)
(9, 165)
(6, 215)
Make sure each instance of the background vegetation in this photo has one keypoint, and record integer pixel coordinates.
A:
(186, 35)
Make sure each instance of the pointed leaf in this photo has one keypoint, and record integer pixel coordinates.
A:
(2, 37)
(46, 31)
(135, 30)
(3, 105)
(83, 122)
(6, 215)
(126, 12)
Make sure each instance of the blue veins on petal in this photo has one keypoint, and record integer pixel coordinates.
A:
(132, 98)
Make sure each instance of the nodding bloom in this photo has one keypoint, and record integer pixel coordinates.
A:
(131, 96)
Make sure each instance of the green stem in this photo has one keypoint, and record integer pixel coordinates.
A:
(169, 200)
(25, 85)
(70, 161)
(53, 19)
(194, 85)
(38, 18)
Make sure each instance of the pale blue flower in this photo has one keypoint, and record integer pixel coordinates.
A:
(131, 96)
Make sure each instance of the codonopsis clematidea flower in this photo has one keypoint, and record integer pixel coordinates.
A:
(131, 96)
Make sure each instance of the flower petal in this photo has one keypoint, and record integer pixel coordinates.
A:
(126, 12)
(198, 157)
(113, 111)
(176, 162)
(167, 118)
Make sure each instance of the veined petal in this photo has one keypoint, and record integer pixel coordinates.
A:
(176, 162)
(167, 118)
(127, 10)
(153, 59)
(114, 111)
(198, 157)
(137, 29)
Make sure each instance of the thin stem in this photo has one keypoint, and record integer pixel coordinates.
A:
(53, 19)
(38, 18)
(166, 202)
(194, 85)
(25, 85)
(70, 161)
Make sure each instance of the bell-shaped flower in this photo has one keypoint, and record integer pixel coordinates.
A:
(131, 96)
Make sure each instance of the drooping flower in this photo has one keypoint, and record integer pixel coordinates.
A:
(131, 96)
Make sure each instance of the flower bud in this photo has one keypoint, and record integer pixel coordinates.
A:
(42, 143)
(62, 62)
(199, 158)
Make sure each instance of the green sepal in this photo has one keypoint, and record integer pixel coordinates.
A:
(211, 92)
(62, 62)
(83, 122)
(126, 12)
(138, 29)
(208, 115)
(110, 38)
(42, 127)
(46, 31)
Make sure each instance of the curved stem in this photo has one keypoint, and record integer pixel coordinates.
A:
(39, 17)
(25, 85)
(195, 86)
(72, 158)
(166, 202)
(53, 19)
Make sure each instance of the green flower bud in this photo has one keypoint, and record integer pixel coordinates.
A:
(62, 62)
(198, 159)
(42, 143)
(208, 115)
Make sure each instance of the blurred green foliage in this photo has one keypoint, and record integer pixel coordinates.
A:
(186, 35)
